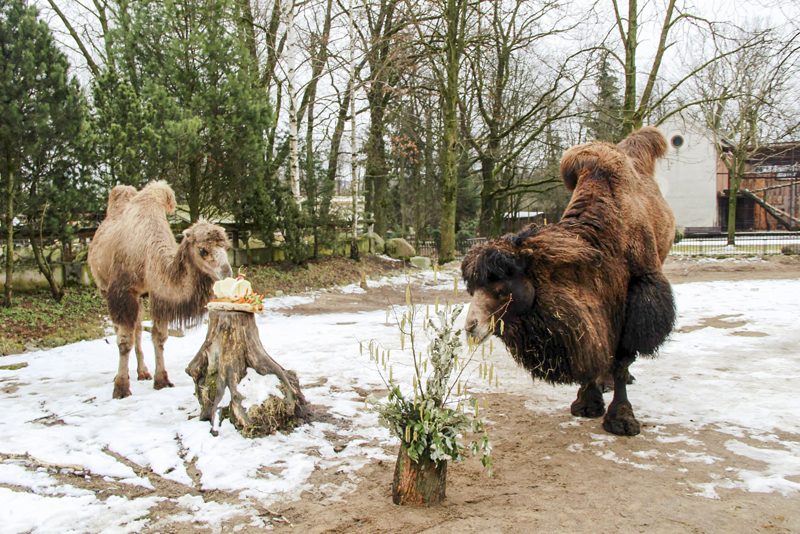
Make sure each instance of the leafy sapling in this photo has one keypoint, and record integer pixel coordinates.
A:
(432, 420)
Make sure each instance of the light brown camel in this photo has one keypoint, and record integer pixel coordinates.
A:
(134, 254)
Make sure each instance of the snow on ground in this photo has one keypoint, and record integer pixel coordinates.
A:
(440, 280)
(732, 365)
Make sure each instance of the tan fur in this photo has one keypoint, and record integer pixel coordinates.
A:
(118, 198)
(646, 217)
(134, 254)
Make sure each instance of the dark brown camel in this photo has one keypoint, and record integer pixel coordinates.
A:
(580, 299)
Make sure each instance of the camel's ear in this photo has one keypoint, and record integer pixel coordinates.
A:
(187, 234)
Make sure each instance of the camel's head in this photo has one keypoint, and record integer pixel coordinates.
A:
(496, 276)
(208, 247)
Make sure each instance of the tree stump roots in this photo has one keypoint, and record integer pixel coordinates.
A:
(232, 345)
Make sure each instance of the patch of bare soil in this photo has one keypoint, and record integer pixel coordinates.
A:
(686, 269)
(374, 299)
(549, 476)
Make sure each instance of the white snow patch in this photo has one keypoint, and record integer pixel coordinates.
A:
(781, 464)
(679, 439)
(210, 514)
(256, 388)
(612, 456)
(29, 512)
(694, 457)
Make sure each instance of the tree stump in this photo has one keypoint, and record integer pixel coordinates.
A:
(232, 345)
(420, 483)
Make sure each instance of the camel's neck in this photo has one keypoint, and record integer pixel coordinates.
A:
(183, 290)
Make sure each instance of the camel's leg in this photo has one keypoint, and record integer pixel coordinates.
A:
(619, 418)
(589, 402)
(122, 383)
(159, 334)
(141, 368)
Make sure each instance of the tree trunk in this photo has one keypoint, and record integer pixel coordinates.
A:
(55, 290)
(351, 100)
(485, 226)
(7, 293)
(291, 69)
(735, 173)
(418, 484)
(194, 191)
(232, 345)
(733, 190)
(455, 14)
(629, 106)
(375, 173)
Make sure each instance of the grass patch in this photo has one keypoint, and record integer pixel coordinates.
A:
(14, 366)
(277, 279)
(37, 321)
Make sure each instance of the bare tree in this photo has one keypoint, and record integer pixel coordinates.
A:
(514, 98)
(637, 106)
(747, 101)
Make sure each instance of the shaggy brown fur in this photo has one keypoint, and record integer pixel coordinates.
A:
(134, 254)
(579, 299)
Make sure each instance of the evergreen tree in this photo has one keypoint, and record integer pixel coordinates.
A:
(181, 96)
(41, 122)
(128, 132)
(605, 119)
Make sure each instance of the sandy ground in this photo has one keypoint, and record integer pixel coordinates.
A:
(542, 482)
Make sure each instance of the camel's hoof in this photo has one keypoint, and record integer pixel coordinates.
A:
(620, 420)
(121, 390)
(143, 375)
(162, 383)
(589, 402)
(591, 410)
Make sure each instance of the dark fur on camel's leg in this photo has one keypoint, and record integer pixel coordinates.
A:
(589, 402)
(619, 417)
(122, 383)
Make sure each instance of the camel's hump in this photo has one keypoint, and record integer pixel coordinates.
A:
(159, 193)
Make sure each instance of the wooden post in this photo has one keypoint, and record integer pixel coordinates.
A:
(232, 345)
(420, 483)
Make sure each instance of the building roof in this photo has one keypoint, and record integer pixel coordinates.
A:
(522, 214)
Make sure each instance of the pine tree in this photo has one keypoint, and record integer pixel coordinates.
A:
(605, 120)
(183, 97)
(41, 125)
